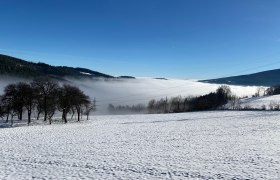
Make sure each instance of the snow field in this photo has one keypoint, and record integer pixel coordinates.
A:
(258, 102)
(202, 145)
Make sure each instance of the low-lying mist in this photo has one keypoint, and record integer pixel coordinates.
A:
(138, 91)
(142, 90)
(5, 80)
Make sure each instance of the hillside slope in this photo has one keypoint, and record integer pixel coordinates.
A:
(265, 78)
(258, 102)
(20, 68)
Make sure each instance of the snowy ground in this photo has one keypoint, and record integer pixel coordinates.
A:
(205, 145)
(258, 102)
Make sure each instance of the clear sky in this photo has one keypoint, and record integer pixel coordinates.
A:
(187, 39)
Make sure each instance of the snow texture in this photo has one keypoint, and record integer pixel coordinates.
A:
(258, 102)
(202, 145)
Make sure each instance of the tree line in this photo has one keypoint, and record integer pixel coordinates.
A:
(126, 109)
(44, 97)
(211, 101)
(274, 90)
(221, 99)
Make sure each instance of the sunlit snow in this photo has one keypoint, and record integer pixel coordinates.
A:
(203, 145)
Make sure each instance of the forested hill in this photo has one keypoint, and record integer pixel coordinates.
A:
(17, 67)
(265, 78)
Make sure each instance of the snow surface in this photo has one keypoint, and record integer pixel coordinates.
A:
(85, 73)
(258, 102)
(202, 145)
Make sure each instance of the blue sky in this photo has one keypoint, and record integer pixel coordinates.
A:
(187, 39)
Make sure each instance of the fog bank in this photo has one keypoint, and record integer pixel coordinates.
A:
(141, 90)
(138, 91)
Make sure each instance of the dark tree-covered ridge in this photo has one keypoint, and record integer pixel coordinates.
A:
(265, 78)
(18, 67)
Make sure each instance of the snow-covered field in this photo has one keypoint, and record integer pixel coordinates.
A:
(258, 102)
(202, 145)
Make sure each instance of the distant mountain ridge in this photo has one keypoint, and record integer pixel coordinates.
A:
(12, 66)
(265, 78)
(17, 67)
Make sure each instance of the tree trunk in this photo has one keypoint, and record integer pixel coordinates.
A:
(51, 114)
(38, 115)
(29, 116)
(62, 115)
(45, 115)
(12, 120)
(64, 118)
(45, 108)
(73, 113)
(7, 119)
(20, 114)
(79, 115)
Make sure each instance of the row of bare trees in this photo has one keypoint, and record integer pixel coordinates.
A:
(126, 109)
(44, 96)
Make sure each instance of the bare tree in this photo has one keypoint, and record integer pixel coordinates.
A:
(8, 101)
(235, 103)
(28, 98)
(152, 106)
(2, 112)
(176, 104)
(160, 106)
(71, 97)
(186, 103)
(90, 107)
(80, 100)
(46, 88)
(64, 101)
